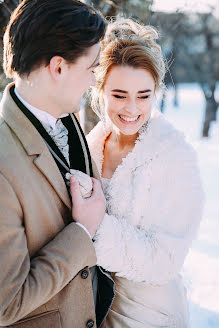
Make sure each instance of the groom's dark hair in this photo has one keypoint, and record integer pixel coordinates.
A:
(41, 29)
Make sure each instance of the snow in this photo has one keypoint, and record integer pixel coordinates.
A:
(201, 269)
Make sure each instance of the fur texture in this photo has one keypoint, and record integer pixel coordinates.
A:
(154, 206)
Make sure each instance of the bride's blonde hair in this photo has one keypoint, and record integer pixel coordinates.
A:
(128, 43)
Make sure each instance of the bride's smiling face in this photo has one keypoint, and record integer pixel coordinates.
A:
(128, 96)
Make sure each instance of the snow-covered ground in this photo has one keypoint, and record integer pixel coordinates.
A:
(201, 269)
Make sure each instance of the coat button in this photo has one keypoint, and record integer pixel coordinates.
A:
(84, 275)
(90, 323)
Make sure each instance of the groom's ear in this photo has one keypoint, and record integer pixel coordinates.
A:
(56, 67)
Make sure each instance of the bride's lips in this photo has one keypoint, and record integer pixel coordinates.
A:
(129, 120)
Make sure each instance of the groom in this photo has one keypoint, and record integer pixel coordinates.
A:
(48, 276)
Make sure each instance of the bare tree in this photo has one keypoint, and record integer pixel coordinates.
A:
(206, 65)
(191, 42)
(199, 47)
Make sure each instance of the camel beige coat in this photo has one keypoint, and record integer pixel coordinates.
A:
(42, 252)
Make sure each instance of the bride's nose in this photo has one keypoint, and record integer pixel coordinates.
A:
(132, 108)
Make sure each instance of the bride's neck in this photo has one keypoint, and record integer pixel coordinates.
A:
(123, 141)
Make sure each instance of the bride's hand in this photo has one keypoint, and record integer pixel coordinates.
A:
(85, 182)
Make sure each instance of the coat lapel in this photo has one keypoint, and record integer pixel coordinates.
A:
(96, 140)
(46, 164)
(33, 144)
(96, 173)
(151, 141)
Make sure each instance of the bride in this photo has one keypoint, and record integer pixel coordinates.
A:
(151, 184)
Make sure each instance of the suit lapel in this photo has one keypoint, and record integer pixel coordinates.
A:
(96, 173)
(33, 144)
(46, 164)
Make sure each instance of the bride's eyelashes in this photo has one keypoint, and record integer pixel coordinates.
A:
(144, 97)
(123, 97)
(119, 97)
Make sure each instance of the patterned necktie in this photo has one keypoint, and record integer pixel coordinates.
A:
(60, 137)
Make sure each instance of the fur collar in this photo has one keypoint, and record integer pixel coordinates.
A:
(125, 188)
(153, 138)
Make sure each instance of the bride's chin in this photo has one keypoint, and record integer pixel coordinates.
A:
(128, 131)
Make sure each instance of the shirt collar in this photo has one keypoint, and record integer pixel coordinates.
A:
(40, 114)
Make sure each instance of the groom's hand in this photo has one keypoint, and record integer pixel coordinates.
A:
(88, 211)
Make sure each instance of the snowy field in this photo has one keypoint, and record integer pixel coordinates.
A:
(201, 269)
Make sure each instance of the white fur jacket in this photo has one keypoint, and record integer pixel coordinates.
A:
(154, 207)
